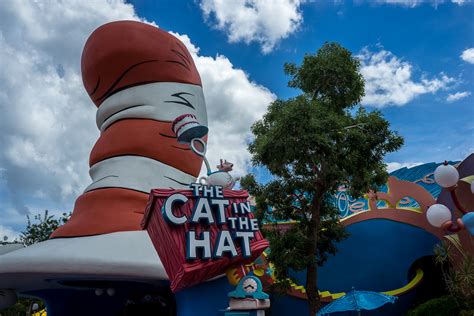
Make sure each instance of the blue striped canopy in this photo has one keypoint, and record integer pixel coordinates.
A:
(356, 301)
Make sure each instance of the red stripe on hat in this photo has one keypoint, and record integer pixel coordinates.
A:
(104, 211)
(146, 138)
(123, 54)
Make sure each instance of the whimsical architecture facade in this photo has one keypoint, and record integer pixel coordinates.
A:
(146, 87)
(181, 249)
(391, 244)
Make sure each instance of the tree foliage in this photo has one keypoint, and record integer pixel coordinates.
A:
(42, 227)
(458, 274)
(312, 144)
(440, 306)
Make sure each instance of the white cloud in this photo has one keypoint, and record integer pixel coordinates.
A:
(392, 166)
(8, 232)
(468, 55)
(233, 104)
(458, 96)
(47, 125)
(389, 80)
(262, 21)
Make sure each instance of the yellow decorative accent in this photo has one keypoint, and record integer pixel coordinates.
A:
(334, 296)
(418, 277)
(40, 313)
(297, 287)
(411, 209)
(352, 215)
(468, 180)
(232, 277)
(409, 286)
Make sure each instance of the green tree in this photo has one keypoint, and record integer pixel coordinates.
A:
(312, 144)
(42, 228)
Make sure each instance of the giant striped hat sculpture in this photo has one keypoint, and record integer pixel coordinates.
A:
(141, 79)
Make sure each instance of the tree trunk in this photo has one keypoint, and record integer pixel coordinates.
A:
(314, 302)
(312, 289)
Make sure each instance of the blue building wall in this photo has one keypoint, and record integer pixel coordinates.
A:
(377, 257)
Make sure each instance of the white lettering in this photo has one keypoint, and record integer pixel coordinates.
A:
(244, 223)
(202, 210)
(168, 214)
(195, 187)
(225, 244)
(254, 224)
(221, 205)
(208, 191)
(219, 192)
(193, 244)
(246, 236)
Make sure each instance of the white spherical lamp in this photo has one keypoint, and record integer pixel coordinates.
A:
(99, 292)
(446, 176)
(110, 291)
(438, 214)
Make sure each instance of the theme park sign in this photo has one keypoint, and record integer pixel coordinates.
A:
(201, 232)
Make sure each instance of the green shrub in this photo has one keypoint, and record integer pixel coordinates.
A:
(441, 306)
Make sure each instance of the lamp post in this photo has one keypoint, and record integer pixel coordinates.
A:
(440, 215)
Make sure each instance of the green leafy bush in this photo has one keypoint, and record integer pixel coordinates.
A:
(441, 306)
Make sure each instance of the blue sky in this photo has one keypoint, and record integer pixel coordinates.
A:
(431, 38)
(417, 58)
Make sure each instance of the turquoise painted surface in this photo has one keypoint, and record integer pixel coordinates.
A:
(422, 175)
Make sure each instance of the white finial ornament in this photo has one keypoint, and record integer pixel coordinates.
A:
(446, 175)
(438, 214)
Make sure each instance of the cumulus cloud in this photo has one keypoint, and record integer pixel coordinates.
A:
(458, 96)
(261, 21)
(47, 125)
(389, 80)
(233, 104)
(392, 166)
(468, 55)
(8, 232)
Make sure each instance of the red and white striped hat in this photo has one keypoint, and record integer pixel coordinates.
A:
(123, 54)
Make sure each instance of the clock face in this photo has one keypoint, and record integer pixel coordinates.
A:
(249, 285)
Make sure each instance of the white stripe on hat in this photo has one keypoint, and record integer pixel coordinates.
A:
(137, 173)
(162, 101)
